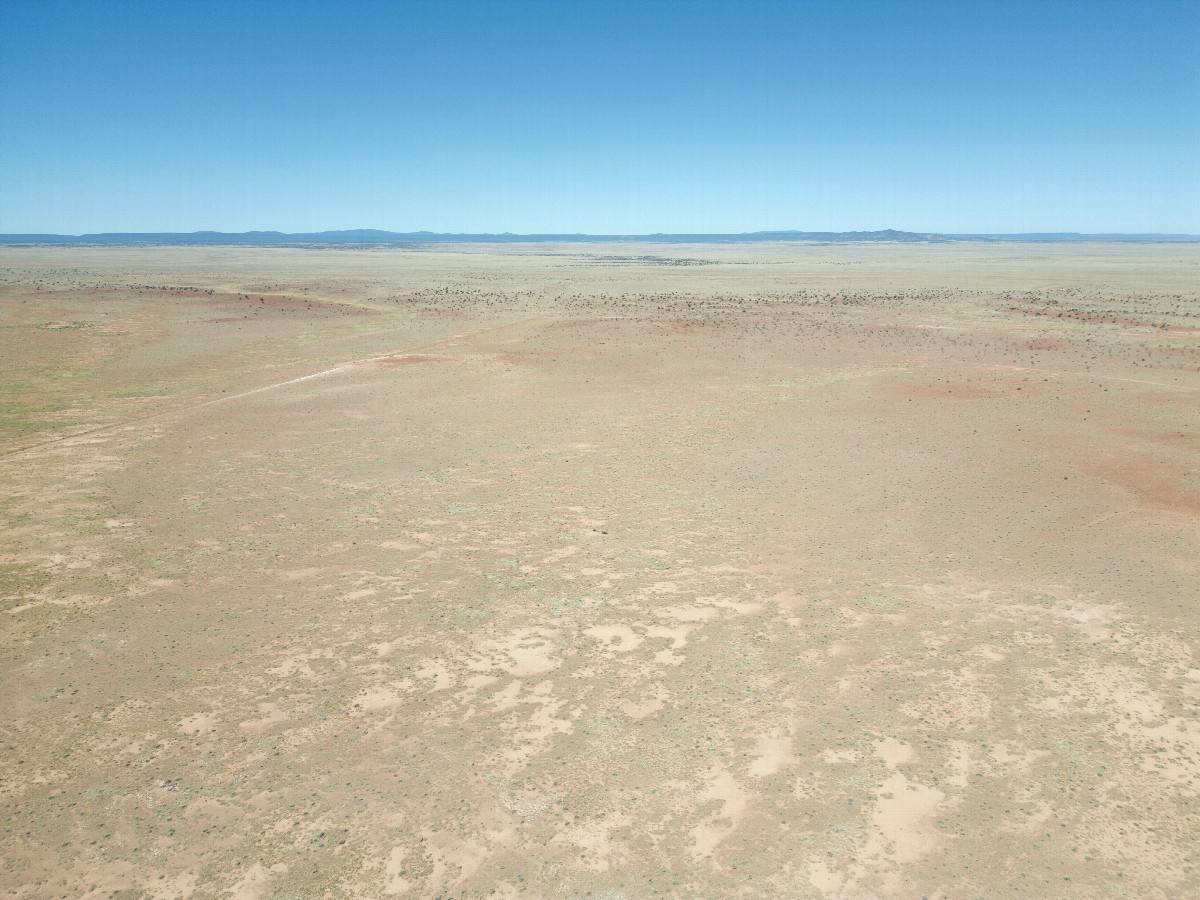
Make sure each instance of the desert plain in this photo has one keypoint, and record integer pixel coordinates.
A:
(600, 571)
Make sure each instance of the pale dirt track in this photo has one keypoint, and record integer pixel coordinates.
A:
(563, 572)
(179, 413)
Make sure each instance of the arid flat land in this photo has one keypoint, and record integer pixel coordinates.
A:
(600, 571)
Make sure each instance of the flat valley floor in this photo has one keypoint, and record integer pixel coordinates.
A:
(604, 571)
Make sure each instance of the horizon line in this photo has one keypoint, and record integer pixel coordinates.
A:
(373, 236)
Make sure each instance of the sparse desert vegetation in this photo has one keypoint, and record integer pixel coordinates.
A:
(600, 571)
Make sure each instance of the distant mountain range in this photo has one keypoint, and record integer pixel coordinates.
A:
(374, 237)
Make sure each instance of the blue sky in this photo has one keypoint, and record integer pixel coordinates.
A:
(600, 117)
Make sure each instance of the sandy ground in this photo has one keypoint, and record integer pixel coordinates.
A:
(600, 571)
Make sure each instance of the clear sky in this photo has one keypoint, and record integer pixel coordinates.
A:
(600, 117)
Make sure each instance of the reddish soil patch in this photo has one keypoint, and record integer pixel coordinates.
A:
(1156, 481)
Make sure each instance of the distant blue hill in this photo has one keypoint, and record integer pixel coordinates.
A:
(375, 237)
(1069, 236)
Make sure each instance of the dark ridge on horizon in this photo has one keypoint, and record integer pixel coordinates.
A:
(374, 237)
